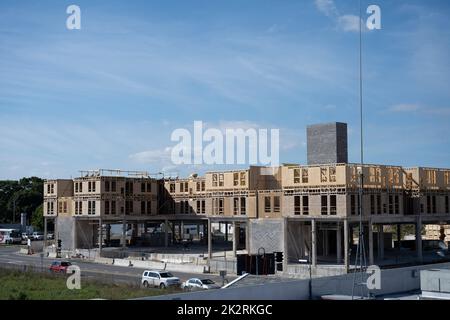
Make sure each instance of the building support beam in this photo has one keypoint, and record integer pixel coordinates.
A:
(247, 236)
(45, 234)
(226, 232)
(346, 243)
(338, 243)
(419, 239)
(209, 241)
(235, 238)
(124, 233)
(100, 237)
(285, 244)
(173, 233)
(371, 259)
(75, 234)
(313, 243)
(166, 233)
(182, 230)
(380, 242)
(108, 233)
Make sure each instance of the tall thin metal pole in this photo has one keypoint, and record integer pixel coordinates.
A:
(360, 259)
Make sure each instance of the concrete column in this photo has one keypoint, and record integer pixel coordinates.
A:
(285, 244)
(247, 236)
(419, 239)
(338, 244)
(45, 234)
(198, 231)
(399, 228)
(181, 230)
(235, 238)
(371, 260)
(380, 242)
(166, 233)
(173, 233)
(325, 242)
(135, 231)
(100, 237)
(346, 242)
(226, 232)
(75, 234)
(313, 243)
(124, 233)
(108, 233)
(209, 240)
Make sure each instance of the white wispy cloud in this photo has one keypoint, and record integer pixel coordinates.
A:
(349, 23)
(344, 22)
(327, 7)
(417, 108)
(156, 156)
(405, 107)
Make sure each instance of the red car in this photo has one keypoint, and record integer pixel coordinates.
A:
(60, 266)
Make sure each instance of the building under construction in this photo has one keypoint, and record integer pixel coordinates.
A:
(307, 212)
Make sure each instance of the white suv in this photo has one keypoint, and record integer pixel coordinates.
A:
(161, 279)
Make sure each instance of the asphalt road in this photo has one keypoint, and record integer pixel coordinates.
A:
(101, 272)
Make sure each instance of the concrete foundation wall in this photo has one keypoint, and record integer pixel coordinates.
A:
(65, 232)
(392, 281)
(267, 234)
(84, 234)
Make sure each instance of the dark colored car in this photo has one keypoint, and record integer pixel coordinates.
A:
(60, 266)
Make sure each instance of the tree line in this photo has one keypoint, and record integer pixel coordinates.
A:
(24, 195)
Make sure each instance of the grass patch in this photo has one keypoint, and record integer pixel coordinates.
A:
(15, 285)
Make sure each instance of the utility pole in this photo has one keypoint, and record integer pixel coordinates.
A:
(360, 259)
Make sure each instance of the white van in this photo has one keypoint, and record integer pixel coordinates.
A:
(10, 236)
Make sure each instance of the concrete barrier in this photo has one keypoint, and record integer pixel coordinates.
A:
(217, 265)
(122, 262)
(104, 260)
(185, 268)
(23, 251)
(148, 264)
(178, 258)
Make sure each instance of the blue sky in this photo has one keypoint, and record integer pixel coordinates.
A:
(109, 95)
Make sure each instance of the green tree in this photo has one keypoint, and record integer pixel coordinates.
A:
(20, 196)
(37, 220)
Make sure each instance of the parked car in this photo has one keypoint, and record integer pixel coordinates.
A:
(60, 266)
(50, 236)
(199, 284)
(159, 278)
(37, 236)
